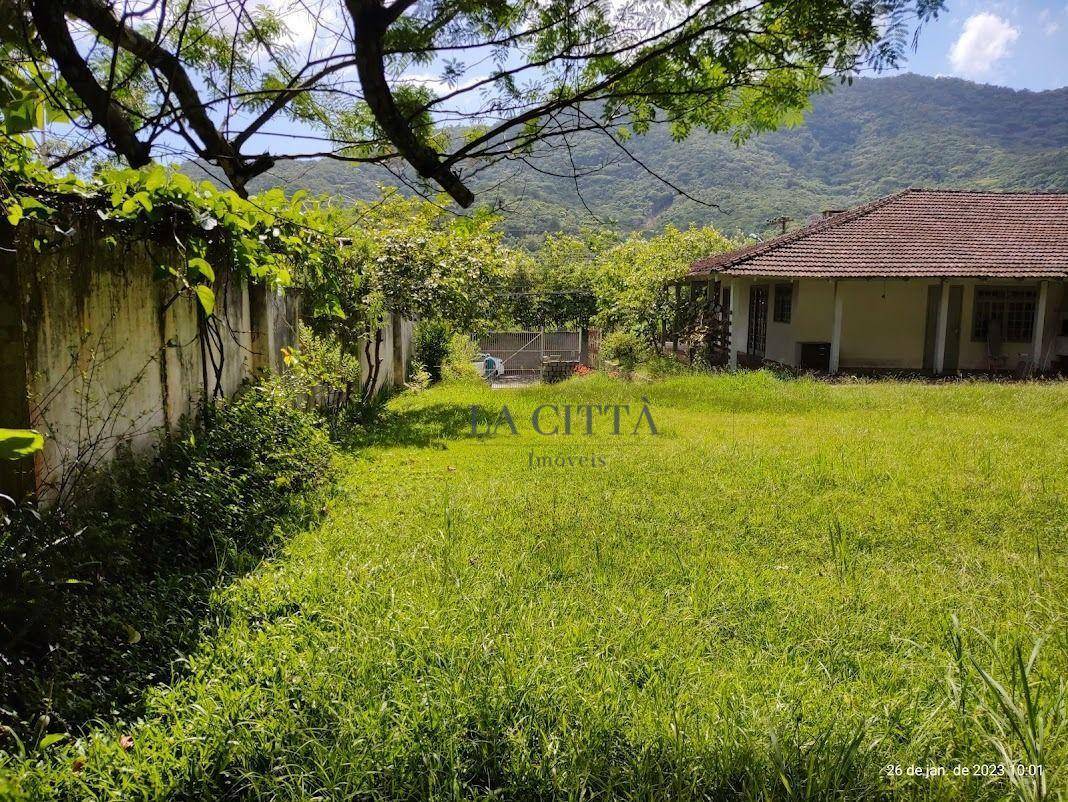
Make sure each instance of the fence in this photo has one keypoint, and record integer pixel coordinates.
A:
(523, 352)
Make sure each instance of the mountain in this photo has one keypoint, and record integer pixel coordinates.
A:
(858, 142)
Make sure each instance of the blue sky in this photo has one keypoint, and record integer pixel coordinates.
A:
(1018, 43)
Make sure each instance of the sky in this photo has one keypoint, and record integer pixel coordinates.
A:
(1021, 44)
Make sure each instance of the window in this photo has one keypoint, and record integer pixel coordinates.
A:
(1013, 307)
(784, 300)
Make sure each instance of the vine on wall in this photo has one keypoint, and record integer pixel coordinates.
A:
(261, 239)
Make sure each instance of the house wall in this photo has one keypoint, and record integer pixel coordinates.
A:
(883, 322)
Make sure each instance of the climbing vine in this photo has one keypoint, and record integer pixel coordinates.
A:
(265, 235)
(263, 238)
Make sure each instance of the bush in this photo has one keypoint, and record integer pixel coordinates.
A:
(321, 372)
(418, 378)
(459, 363)
(218, 486)
(624, 351)
(82, 585)
(430, 344)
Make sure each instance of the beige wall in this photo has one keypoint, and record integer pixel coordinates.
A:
(111, 357)
(883, 322)
(395, 353)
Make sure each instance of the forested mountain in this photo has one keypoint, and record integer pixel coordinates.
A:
(858, 142)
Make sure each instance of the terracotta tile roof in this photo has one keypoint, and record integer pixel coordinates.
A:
(918, 233)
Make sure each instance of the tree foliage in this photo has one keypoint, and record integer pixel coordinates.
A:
(376, 82)
(262, 238)
(599, 279)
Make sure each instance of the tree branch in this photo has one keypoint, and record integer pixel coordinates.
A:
(105, 112)
(370, 21)
(238, 170)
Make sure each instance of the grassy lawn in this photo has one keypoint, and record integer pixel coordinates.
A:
(789, 588)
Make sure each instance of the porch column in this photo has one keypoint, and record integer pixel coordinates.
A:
(836, 331)
(1040, 324)
(739, 323)
(940, 331)
(675, 325)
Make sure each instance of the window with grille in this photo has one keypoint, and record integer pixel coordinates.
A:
(784, 299)
(1013, 306)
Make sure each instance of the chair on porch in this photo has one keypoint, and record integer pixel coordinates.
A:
(996, 359)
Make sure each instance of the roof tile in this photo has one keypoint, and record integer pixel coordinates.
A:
(918, 233)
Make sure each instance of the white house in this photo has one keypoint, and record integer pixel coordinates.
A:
(934, 280)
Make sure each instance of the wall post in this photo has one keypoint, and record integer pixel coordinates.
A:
(940, 332)
(739, 322)
(836, 331)
(1040, 325)
(397, 324)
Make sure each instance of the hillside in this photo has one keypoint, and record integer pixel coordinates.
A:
(858, 142)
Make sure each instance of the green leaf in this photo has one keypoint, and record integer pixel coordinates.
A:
(156, 179)
(182, 183)
(19, 443)
(20, 117)
(53, 738)
(206, 298)
(33, 205)
(201, 266)
(14, 214)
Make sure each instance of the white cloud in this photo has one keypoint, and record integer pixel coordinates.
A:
(1049, 25)
(440, 86)
(985, 40)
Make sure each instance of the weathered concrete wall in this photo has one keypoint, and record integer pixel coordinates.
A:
(110, 354)
(394, 353)
(16, 477)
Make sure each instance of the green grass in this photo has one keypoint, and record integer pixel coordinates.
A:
(794, 585)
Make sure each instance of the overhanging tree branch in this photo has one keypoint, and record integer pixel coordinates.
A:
(51, 25)
(370, 23)
(215, 147)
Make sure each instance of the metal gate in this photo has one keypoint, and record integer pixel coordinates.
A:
(523, 352)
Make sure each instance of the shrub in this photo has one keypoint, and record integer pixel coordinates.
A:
(321, 372)
(81, 584)
(430, 344)
(624, 351)
(418, 378)
(459, 363)
(216, 487)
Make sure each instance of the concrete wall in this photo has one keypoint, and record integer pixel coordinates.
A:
(883, 322)
(395, 353)
(104, 354)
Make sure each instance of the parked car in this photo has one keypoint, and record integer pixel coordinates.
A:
(489, 367)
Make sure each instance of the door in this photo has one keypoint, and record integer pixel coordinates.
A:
(951, 359)
(757, 339)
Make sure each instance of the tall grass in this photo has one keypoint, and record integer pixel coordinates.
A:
(795, 591)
